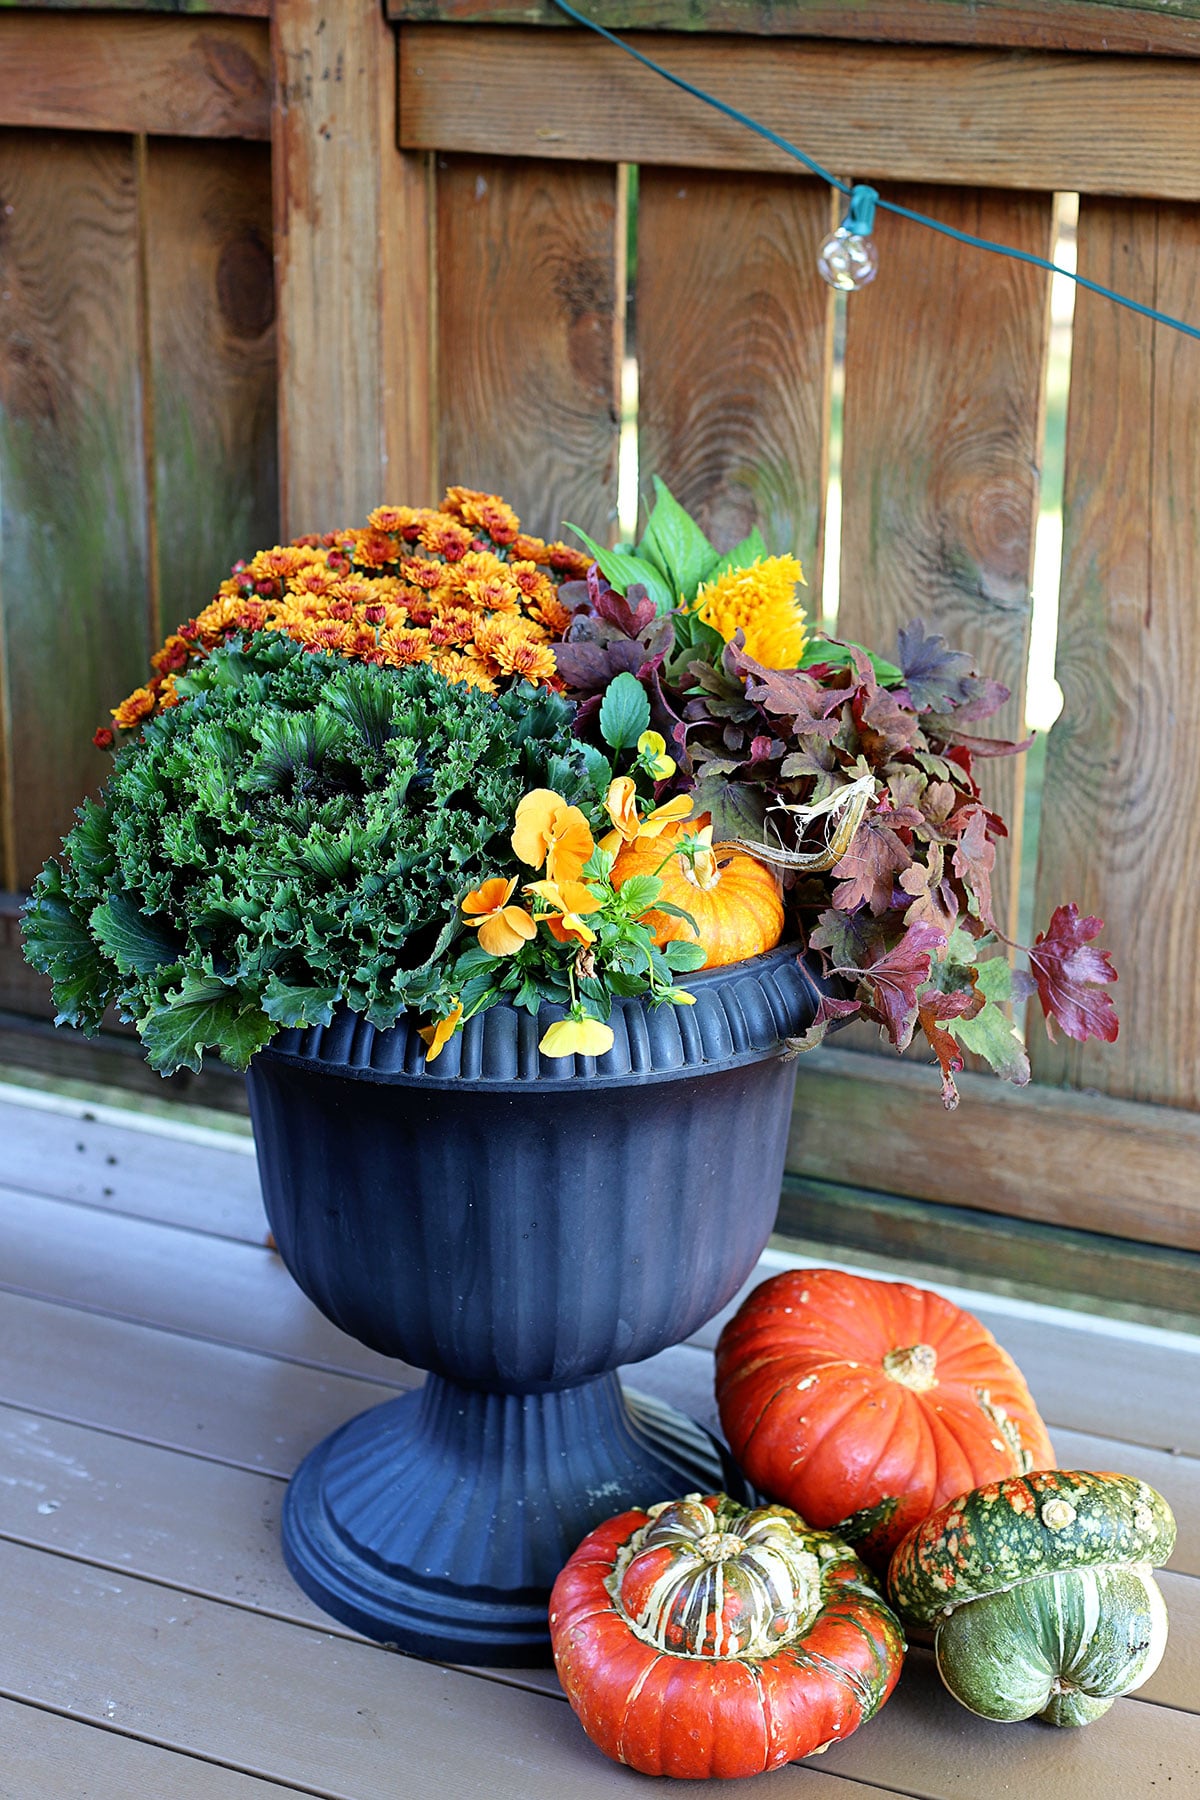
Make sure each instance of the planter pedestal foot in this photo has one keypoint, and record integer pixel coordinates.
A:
(438, 1521)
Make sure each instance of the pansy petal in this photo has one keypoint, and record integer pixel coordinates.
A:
(438, 1035)
(531, 831)
(489, 897)
(577, 1037)
(499, 937)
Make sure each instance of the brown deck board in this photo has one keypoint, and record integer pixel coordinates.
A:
(160, 1376)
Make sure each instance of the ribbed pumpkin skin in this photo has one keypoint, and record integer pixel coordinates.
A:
(1042, 1592)
(739, 917)
(699, 1717)
(817, 1422)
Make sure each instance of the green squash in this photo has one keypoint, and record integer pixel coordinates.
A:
(1041, 1592)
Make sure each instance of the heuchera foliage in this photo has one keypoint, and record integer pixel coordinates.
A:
(904, 917)
(298, 833)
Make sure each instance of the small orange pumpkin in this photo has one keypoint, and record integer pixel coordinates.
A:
(733, 898)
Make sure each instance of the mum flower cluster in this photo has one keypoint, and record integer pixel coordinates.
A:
(459, 587)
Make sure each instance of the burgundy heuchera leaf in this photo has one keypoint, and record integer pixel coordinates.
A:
(933, 1009)
(896, 976)
(1071, 976)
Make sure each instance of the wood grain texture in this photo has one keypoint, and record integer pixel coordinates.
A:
(250, 9)
(185, 77)
(74, 592)
(1121, 813)
(47, 1757)
(1037, 1152)
(932, 1240)
(735, 346)
(941, 446)
(1037, 122)
(211, 315)
(1127, 27)
(529, 282)
(354, 270)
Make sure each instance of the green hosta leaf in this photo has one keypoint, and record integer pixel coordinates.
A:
(677, 545)
(295, 1007)
(625, 570)
(624, 712)
(751, 550)
(204, 1015)
(991, 1034)
(683, 956)
(837, 655)
(137, 944)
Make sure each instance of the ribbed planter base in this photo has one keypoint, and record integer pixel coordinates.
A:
(438, 1521)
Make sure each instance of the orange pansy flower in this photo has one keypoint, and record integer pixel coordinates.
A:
(502, 928)
(570, 900)
(438, 1035)
(549, 831)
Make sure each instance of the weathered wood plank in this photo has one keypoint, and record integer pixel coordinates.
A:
(530, 314)
(1127, 27)
(177, 77)
(129, 1268)
(354, 270)
(274, 1700)
(927, 1239)
(75, 592)
(211, 317)
(47, 1757)
(735, 347)
(88, 1154)
(1044, 123)
(253, 9)
(1121, 813)
(1038, 1152)
(227, 1405)
(941, 447)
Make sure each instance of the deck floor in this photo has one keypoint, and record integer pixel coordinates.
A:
(160, 1376)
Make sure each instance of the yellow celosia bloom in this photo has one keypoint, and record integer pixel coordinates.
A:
(502, 928)
(437, 1036)
(761, 602)
(577, 1037)
(549, 831)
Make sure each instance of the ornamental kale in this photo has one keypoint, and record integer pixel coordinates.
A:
(295, 834)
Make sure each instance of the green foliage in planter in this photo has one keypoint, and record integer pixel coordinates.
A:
(297, 834)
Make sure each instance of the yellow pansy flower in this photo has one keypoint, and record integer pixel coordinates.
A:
(577, 1037)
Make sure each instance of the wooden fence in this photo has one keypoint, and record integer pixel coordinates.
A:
(449, 233)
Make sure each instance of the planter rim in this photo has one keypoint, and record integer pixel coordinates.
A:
(743, 1013)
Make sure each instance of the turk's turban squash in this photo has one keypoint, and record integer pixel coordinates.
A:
(866, 1404)
(1041, 1591)
(703, 1638)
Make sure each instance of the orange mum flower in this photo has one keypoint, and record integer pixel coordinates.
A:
(534, 662)
(529, 549)
(445, 537)
(569, 560)
(549, 831)
(402, 648)
(502, 928)
(405, 521)
(173, 655)
(134, 709)
(167, 695)
(553, 614)
(493, 515)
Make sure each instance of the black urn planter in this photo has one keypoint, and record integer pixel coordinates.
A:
(519, 1226)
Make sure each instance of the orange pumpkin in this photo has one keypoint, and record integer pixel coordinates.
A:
(733, 898)
(867, 1404)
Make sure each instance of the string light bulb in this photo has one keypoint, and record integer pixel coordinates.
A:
(848, 259)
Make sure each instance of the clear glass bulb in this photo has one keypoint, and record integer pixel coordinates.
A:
(848, 261)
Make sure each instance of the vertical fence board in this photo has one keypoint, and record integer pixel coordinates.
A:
(1121, 816)
(211, 307)
(529, 279)
(735, 341)
(352, 247)
(74, 593)
(944, 369)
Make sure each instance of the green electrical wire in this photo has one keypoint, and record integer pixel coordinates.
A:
(850, 189)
